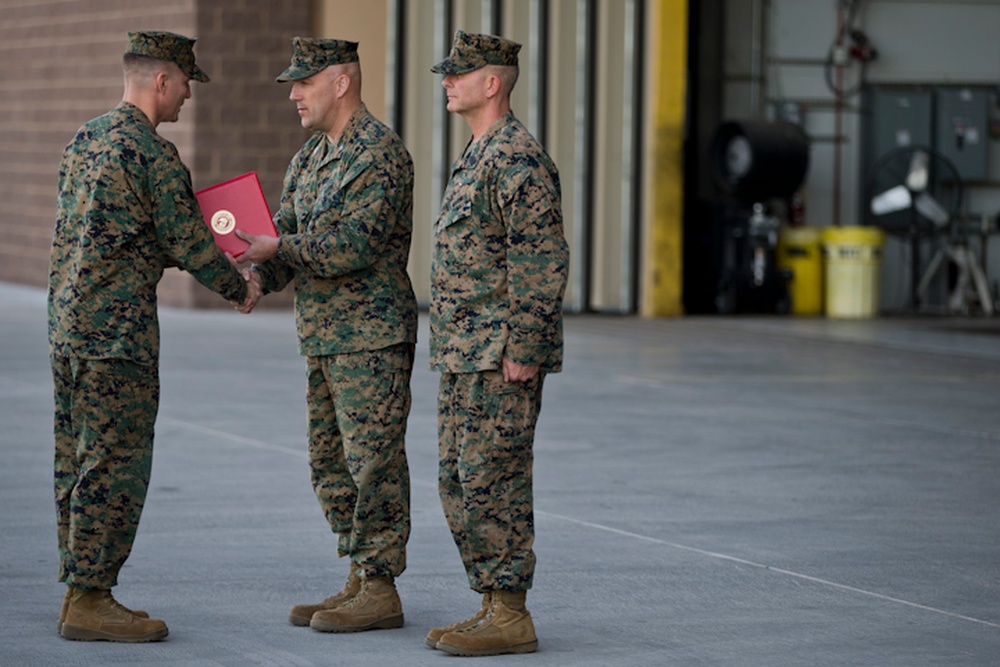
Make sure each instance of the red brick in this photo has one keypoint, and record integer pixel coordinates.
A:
(63, 67)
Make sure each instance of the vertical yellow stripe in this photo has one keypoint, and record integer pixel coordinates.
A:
(662, 272)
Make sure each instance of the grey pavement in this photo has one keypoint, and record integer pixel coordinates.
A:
(709, 491)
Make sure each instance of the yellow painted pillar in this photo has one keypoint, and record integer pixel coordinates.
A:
(663, 263)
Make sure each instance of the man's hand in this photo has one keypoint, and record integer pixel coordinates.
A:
(254, 291)
(515, 372)
(262, 247)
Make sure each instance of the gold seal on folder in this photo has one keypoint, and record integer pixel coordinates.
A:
(223, 222)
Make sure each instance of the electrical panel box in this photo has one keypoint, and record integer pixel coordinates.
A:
(962, 129)
(898, 118)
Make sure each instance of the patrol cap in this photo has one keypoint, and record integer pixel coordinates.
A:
(314, 55)
(167, 46)
(470, 52)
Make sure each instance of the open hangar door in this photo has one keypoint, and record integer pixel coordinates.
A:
(740, 175)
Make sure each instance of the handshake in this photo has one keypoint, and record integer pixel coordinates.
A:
(262, 247)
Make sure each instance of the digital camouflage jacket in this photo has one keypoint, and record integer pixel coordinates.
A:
(126, 211)
(345, 224)
(500, 262)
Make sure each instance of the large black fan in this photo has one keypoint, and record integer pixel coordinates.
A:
(913, 192)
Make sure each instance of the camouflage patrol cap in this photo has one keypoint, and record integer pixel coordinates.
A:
(470, 52)
(168, 46)
(315, 55)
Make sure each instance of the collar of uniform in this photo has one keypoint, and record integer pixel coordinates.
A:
(331, 150)
(476, 147)
(136, 113)
(322, 150)
(346, 137)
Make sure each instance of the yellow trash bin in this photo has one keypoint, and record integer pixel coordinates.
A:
(853, 262)
(798, 251)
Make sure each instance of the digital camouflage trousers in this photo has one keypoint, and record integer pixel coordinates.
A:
(104, 415)
(358, 404)
(486, 432)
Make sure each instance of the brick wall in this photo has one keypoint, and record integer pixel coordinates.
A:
(62, 67)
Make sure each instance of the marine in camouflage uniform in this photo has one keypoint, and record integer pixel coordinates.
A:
(126, 211)
(497, 282)
(344, 226)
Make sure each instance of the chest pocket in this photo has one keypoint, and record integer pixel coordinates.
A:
(457, 211)
(320, 210)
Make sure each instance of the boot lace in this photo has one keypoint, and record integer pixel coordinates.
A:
(345, 592)
(358, 599)
(118, 605)
(485, 612)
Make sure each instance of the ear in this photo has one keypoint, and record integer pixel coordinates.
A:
(492, 85)
(161, 80)
(342, 85)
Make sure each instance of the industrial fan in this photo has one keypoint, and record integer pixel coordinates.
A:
(914, 192)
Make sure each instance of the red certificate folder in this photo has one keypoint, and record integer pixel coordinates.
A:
(236, 204)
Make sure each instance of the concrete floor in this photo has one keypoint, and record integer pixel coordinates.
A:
(709, 491)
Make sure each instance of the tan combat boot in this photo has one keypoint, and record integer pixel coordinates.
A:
(65, 605)
(436, 633)
(97, 616)
(375, 607)
(506, 628)
(301, 614)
